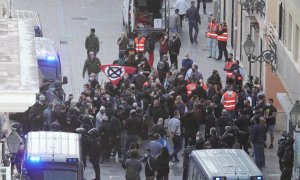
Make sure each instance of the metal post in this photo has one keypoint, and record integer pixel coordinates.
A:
(260, 71)
(10, 3)
(249, 61)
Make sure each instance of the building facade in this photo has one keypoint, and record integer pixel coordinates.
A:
(275, 26)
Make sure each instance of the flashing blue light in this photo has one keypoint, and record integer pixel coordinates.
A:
(72, 160)
(34, 159)
(259, 178)
(218, 178)
(50, 58)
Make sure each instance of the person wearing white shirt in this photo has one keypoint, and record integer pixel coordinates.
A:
(182, 6)
(193, 73)
(175, 132)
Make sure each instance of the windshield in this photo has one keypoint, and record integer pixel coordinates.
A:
(48, 72)
(46, 174)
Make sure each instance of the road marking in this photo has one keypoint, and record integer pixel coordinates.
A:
(274, 175)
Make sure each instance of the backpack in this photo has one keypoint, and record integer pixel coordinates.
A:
(131, 173)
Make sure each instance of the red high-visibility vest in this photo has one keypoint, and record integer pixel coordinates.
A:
(228, 65)
(223, 37)
(229, 100)
(139, 44)
(190, 88)
(212, 30)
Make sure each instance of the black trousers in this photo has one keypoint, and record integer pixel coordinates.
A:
(204, 5)
(181, 19)
(174, 60)
(116, 144)
(222, 48)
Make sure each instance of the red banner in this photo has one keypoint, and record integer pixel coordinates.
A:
(116, 72)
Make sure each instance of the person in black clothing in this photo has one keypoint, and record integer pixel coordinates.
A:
(228, 138)
(242, 123)
(193, 17)
(174, 48)
(159, 128)
(133, 126)
(209, 122)
(281, 149)
(222, 44)
(162, 164)
(163, 68)
(199, 91)
(94, 141)
(105, 131)
(203, 5)
(214, 140)
(214, 78)
(150, 165)
(190, 125)
(288, 160)
(270, 112)
(116, 133)
(223, 121)
(36, 114)
(92, 42)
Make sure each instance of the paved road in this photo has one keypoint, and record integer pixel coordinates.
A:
(67, 23)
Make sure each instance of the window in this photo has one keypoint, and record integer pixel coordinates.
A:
(296, 44)
(280, 21)
(289, 33)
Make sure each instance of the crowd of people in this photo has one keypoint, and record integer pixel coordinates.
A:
(158, 105)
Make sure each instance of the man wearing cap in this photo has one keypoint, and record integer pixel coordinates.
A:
(193, 17)
(186, 63)
(92, 42)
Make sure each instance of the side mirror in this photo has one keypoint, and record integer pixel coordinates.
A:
(65, 80)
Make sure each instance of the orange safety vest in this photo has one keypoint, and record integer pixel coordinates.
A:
(139, 45)
(228, 65)
(229, 100)
(212, 30)
(223, 37)
(190, 88)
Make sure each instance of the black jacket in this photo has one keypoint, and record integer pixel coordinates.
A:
(174, 46)
(92, 43)
(192, 14)
(133, 125)
(162, 165)
(116, 126)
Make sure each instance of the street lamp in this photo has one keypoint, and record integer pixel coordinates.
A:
(249, 47)
(295, 117)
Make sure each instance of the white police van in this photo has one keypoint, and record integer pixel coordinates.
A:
(222, 164)
(52, 156)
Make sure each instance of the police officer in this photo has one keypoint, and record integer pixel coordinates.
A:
(94, 138)
(86, 125)
(288, 160)
(281, 148)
